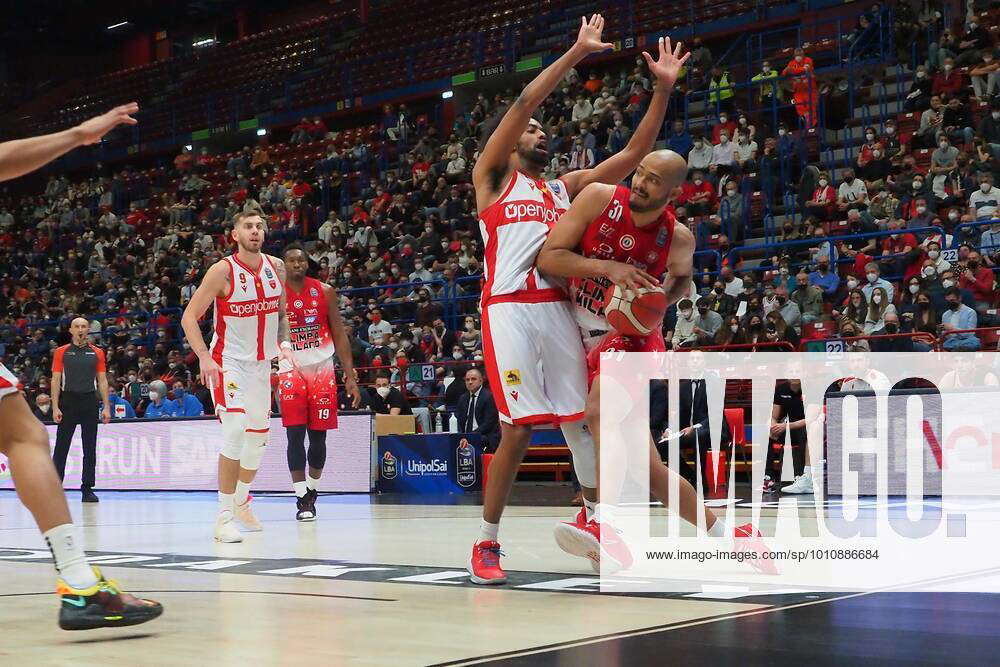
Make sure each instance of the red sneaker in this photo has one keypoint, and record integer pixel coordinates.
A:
(580, 538)
(748, 538)
(613, 547)
(484, 566)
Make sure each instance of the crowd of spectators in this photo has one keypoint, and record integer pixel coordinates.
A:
(389, 218)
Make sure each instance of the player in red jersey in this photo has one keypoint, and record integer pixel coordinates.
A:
(308, 394)
(87, 599)
(615, 235)
(534, 358)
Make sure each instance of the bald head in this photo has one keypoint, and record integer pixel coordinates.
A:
(655, 179)
(79, 328)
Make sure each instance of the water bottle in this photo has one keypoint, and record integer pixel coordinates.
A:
(453, 424)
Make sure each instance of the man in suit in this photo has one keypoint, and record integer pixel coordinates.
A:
(693, 415)
(476, 412)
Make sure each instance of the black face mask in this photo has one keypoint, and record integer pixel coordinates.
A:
(922, 305)
(782, 300)
(892, 328)
(953, 305)
(703, 311)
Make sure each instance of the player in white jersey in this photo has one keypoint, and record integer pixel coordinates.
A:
(87, 599)
(251, 329)
(534, 355)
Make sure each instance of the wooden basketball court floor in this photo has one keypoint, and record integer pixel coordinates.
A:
(377, 581)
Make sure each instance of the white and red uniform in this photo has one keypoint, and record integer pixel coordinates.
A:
(246, 340)
(9, 384)
(535, 360)
(613, 236)
(308, 395)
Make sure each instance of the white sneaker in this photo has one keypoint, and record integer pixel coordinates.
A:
(225, 528)
(244, 514)
(802, 484)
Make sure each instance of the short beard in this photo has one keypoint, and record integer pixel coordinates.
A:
(651, 206)
(534, 158)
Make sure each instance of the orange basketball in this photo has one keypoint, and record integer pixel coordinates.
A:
(634, 312)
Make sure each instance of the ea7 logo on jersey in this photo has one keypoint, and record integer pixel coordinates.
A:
(606, 229)
(627, 242)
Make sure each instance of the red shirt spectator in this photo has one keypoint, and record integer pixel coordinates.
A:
(729, 126)
(420, 170)
(689, 190)
(136, 218)
(239, 196)
(301, 189)
(948, 83)
(980, 283)
(897, 246)
(360, 216)
(381, 202)
(318, 127)
(184, 161)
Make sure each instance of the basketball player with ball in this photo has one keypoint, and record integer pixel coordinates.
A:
(534, 357)
(614, 243)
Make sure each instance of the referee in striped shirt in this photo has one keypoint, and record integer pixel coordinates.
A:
(78, 372)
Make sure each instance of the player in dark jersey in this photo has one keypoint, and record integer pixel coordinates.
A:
(308, 394)
(612, 235)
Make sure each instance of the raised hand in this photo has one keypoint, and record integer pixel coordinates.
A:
(589, 38)
(668, 66)
(92, 130)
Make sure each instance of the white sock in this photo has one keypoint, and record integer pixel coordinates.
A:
(312, 482)
(589, 507)
(718, 529)
(242, 493)
(226, 501)
(603, 512)
(488, 531)
(300, 489)
(71, 562)
(807, 471)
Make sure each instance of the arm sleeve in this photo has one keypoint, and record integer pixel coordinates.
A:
(57, 360)
(102, 365)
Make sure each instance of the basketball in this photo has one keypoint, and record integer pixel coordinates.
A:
(635, 312)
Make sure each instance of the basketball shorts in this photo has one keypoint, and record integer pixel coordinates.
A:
(9, 384)
(535, 361)
(308, 396)
(612, 341)
(245, 387)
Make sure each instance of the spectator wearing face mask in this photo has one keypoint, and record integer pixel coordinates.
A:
(873, 275)
(931, 122)
(855, 308)
(42, 408)
(958, 317)
(919, 95)
(725, 124)
(808, 298)
(700, 156)
(684, 333)
(729, 332)
(378, 326)
(944, 160)
(891, 326)
(697, 195)
(989, 126)
(983, 203)
(805, 90)
(158, 404)
(120, 408)
(938, 263)
(721, 303)
(188, 404)
(985, 75)
(824, 199)
(723, 156)
(949, 81)
(978, 279)
(958, 122)
(731, 208)
(388, 400)
(787, 309)
(876, 169)
(769, 92)
(707, 322)
(972, 44)
(878, 306)
(825, 279)
(852, 193)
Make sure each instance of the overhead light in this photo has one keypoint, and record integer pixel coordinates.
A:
(204, 42)
(117, 25)
(189, 147)
(261, 131)
(447, 95)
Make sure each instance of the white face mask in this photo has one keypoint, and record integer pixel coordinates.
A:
(943, 145)
(154, 396)
(782, 132)
(851, 284)
(876, 298)
(933, 254)
(870, 136)
(734, 327)
(382, 391)
(917, 185)
(985, 187)
(686, 314)
(697, 181)
(872, 277)
(947, 283)
(995, 114)
(823, 182)
(914, 289)
(921, 210)
(890, 131)
(953, 215)
(469, 326)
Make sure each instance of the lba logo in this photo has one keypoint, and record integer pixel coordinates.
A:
(389, 466)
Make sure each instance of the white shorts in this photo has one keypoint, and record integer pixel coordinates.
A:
(245, 387)
(535, 361)
(9, 384)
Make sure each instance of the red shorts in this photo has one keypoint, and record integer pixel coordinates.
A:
(309, 396)
(616, 342)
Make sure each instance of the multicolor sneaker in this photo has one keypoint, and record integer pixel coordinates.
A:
(244, 515)
(484, 565)
(103, 605)
(748, 539)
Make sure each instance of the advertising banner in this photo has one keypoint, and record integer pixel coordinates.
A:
(436, 463)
